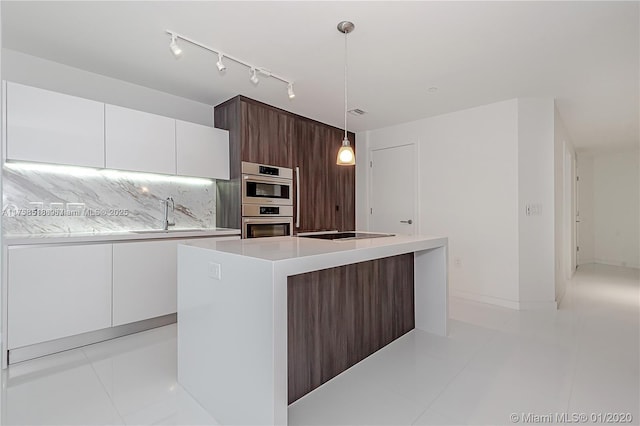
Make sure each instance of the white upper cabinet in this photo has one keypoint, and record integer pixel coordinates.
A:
(50, 127)
(139, 141)
(202, 151)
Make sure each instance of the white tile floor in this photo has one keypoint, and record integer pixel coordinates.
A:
(582, 358)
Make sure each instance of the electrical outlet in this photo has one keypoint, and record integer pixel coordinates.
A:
(215, 271)
(457, 262)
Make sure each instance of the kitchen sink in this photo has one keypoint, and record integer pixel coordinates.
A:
(167, 231)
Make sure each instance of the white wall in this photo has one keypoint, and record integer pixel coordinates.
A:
(585, 209)
(362, 184)
(616, 208)
(536, 189)
(478, 170)
(45, 74)
(468, 192)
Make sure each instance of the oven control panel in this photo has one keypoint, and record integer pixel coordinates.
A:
(256, 210)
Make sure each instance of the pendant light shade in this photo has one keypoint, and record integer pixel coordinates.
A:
(346, 156)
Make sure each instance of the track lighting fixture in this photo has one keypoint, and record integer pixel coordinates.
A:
(254, 76)
(346, 156)
(255, 70)
(175, 49)
(219, 64)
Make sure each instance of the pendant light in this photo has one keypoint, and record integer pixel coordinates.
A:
(346, 156)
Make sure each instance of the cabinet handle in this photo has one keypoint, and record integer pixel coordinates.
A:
(407, 221)
(297, 197)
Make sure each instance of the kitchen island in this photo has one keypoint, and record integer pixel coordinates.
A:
(261, 321)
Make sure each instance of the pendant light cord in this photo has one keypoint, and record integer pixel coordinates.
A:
(345, 84)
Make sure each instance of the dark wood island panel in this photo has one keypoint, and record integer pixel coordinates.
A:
(339, 316)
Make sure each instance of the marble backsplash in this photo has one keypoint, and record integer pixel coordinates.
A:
(53, 199)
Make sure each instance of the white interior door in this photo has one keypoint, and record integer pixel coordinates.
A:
(393, 190)
(568, 214)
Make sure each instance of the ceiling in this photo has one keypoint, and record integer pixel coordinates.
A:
(584, 54)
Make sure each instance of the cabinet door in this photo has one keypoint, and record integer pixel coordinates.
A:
(144, 280)
(202, 151)
(267, 135)
(327, 191)
(50, 127)
(56, 292)
(317, 189)
(139, 141)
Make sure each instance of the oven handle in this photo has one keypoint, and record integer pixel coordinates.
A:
(297, 197)
(272, 219)
(263, 179)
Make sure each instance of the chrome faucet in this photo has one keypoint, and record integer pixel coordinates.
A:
(165, 223)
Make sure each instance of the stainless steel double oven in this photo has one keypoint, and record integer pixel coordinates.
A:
(267, 201)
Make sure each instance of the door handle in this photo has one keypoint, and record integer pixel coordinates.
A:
(407, 221)
(297, 197)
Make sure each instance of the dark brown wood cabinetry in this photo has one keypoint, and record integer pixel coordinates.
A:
(260, 133)
(339, 316)
(327, 191)
(267, 134)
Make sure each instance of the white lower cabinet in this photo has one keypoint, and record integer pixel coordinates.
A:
(62, 291)
(56, 292)
(144, 280)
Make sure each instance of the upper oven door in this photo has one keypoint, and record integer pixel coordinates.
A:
(266, 190)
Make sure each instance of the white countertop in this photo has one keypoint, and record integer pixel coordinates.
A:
(114, 236)
(278, 249)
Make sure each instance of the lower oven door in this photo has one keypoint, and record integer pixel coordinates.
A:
(258, 227)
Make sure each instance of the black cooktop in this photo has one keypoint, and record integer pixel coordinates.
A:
(346, 235)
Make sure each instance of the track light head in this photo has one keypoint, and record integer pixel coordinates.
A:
(219, 64)
(290, 91)
(254, 76)
(175, 49)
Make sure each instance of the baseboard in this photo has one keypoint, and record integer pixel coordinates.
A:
(539, 306)
(53, 346)
(615, 263)
(505, 303)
